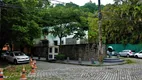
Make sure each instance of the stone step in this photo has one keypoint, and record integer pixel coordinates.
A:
(112, 60)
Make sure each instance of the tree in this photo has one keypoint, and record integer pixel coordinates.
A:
(90, 7)
(71, 5)
(21, 20)
(122, 22)
(93, 29)
(65, 21)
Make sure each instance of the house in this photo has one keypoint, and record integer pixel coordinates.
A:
(54, 42)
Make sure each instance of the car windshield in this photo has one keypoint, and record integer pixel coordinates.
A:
(19, 54)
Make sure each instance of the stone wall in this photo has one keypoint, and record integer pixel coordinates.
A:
(83, 51)
(40, 49)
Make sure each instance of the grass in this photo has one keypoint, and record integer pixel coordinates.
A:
(14, 72)
(129, 61)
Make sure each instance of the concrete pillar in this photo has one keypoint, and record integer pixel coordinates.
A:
(92, 60)
(68, 59)
(79, 60)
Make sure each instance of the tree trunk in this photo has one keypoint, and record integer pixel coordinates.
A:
(100, 52)
(60, 44)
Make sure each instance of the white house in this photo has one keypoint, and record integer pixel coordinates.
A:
(54, 41)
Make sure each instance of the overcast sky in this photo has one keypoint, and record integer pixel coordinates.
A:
(82, 2)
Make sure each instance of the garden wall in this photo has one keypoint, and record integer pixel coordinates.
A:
(83, 51)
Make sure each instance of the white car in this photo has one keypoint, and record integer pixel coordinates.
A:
(17, 57)
(126, 53)
(138, 55)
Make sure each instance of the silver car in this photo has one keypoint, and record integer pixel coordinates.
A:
(126, 53)
(17, 57)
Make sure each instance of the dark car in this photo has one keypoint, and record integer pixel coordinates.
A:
(3, 54)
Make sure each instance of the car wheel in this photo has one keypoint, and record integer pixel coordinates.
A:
(136, 56)
(15, 61)
(118, 55)
(128, 55)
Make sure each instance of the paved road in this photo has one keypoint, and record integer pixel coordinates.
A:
(56, 71)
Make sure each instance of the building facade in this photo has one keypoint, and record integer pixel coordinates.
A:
(54, 42)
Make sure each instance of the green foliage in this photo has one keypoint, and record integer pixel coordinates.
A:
(93, 29)
(128, 61)
(122, 22)
(14, 72)
(60, 56)
(72, 5)
(21, 21)
(65, 20)
(90, 7)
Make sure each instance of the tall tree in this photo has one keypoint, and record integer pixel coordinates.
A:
(65, 21)
(20, 21)
(90, 7)
(122, 22)
(71, 4)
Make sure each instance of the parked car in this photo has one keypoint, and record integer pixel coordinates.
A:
(4, 54)
(17, 57)
(138, 54)
(127, 53)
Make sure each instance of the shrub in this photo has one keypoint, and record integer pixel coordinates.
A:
(60, 56)
(128, 61)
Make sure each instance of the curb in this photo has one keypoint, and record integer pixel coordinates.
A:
(90, 64)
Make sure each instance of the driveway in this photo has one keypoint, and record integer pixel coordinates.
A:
(56, 71)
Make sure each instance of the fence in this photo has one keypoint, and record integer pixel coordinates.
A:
(120, 47)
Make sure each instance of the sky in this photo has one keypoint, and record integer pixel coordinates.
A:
(82, 2)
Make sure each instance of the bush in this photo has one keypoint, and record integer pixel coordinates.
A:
(60, 56)
(128, 61)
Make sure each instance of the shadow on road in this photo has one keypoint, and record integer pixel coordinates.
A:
(3, 63)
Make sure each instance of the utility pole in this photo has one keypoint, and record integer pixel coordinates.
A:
(100, 52)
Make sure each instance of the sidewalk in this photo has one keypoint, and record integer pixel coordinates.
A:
(83, 63)
(41, 59)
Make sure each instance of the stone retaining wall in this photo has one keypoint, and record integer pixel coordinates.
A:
(83, 51)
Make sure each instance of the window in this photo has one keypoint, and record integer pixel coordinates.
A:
(55, 42)
(50, 50)
(18, 54)
(56, 50)
(50, 56)
(54, 56)
(62, 42)
(11, 54)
